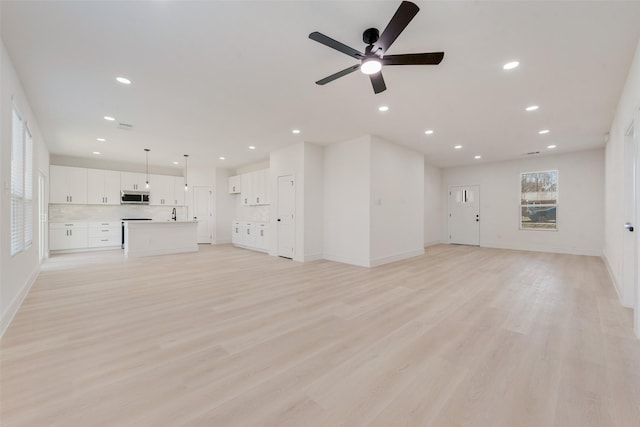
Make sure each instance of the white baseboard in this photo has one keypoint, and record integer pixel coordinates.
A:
(616, 284)
(14, 306)
(222, 241)
(312, 257)
(432, 243)
(397, 257)
(347, 260)
(548, 249)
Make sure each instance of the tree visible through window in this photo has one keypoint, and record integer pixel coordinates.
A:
(538, 200)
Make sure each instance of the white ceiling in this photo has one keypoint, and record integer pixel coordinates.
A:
(212, 78)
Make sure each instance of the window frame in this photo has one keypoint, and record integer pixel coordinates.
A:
(21, 197)
(522, 205)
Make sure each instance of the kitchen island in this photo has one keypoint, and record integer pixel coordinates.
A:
(147, 238)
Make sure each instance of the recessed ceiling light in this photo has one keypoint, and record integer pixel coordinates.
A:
(123, 80)
(251, 147)
(532, 108)
(296, 131)
(551, 147)
(477, 157)
(100, 139)
(510, 65)
(543, 131)
(428, 132)
(457, 147)
(221, 158)
(176, 163)
(96, 152)
(383, 108)
(109, 118)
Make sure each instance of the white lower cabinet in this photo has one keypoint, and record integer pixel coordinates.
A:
(105, 234)
(250, 235)
(68, 235)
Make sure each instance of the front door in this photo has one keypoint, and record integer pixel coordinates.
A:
(286, 219)
(464, 215)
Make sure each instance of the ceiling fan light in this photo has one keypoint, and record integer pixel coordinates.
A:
(370, 66)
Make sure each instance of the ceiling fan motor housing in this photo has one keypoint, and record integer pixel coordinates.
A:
(370, 36)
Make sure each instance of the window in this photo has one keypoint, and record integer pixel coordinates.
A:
(538, 200)
(21, 184)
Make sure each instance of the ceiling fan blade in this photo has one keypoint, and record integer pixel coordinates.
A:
(378, 82)
(398, 23)
(334, 44)
(337, 75)
(433, 58)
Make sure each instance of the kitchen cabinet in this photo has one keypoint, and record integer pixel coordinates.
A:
(67, 185)
(104, 234)
(68, 235)
(261, 241)
(235, 184)
(255, 186)
(166, 190)
(103, 187)
(250, 235)
(133, 181)
(178, 188)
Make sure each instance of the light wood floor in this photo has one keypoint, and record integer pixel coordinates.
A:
(461, 336)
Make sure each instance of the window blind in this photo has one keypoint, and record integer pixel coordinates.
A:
(17, 183)
(28, 187)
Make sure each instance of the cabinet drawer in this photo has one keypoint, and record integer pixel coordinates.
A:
(105, 231)
(104, 224)
(104, 241)
(67, 225)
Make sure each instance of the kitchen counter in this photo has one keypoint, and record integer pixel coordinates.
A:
(147, 238)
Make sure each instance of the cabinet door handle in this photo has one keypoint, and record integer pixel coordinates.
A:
(70, 232)
(71, 198)
(261, 233)
(104, 240)
(245, 201)
(257, 199)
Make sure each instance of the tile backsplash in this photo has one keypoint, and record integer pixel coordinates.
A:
(96, 213)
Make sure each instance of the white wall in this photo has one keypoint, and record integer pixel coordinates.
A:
(347, 201)
(433, 208)
(223, 207)
(628, 107)
(580, 202)
(397, 202)
(17, 273)
(313, 201)
(97, 163)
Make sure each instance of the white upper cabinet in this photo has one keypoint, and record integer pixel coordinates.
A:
(260, 181)
(103, 187)
(166, 190)
(178, 188)
(235, 184)
(133, 181)
(68, 185)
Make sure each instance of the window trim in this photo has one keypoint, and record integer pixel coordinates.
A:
(556, 204)
(21, 198)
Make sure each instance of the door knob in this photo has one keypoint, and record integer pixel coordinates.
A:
(278, 219)
(628, 226)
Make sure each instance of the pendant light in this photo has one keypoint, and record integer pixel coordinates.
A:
(147, 154)
(186, 156)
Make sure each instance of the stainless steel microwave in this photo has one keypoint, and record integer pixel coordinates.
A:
(132, 197)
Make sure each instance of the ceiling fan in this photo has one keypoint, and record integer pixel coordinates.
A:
(373, 58)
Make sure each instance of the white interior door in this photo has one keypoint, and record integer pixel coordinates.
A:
(629, 259)
(464, 215)
(203, 213)
(286, 216)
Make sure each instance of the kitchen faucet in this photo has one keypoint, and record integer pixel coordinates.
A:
(173, 215)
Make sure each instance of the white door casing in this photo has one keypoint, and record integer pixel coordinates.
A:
(286, 216)
(203, 213)
(464, 215)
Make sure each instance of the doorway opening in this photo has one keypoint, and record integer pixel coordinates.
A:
(286, 224)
